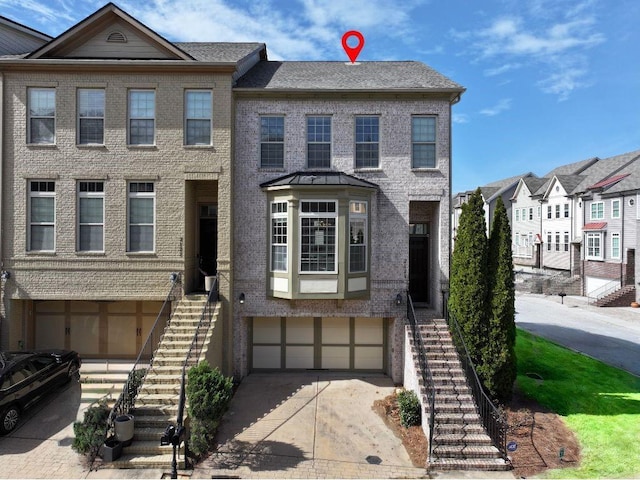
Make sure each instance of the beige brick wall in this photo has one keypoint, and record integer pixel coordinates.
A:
(389, 245)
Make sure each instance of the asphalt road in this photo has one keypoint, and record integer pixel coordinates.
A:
(609, 334)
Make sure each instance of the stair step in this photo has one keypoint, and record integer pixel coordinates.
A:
(462, 438)
(144, 422)
(145, 461)
(466, 451)
(458, 429)
(487, 465)
(147, 447)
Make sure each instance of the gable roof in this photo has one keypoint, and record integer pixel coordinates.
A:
(630, 183)
(572, 168)
(340, 76)
(16, 38)
(225, 52)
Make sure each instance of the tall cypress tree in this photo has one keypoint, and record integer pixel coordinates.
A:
(497, 370)
(468, 290)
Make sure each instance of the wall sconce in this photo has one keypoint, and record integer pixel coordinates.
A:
(5, 275)
(398, 299)
(173, 277)
(241, 298)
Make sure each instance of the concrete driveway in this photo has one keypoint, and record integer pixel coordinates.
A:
(310, 425)
(609, 334)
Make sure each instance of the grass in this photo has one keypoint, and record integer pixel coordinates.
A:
(600, 403)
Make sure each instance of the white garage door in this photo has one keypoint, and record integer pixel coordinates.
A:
(594, 285)
(334, 343)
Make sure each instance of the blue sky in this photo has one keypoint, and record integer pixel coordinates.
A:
(548, 82)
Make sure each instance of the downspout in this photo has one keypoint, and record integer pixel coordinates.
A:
(3, 274)
(622, 282)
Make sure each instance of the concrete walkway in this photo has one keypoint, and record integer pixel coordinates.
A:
(609, 334)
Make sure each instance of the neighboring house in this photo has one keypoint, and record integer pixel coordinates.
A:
(342, 203)
(116, 173)
(610, 224)
(526, 215)
(16, 39)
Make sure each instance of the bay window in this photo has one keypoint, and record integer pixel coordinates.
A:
(279, 242)
(357, 237)
(318, 230)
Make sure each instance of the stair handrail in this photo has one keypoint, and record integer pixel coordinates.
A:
(195, 349)
(127, 397)
(427, 376)
(604, 290)
(493, 421)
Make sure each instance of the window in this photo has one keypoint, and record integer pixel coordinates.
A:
(42, 217)
(90, 116)
(566, 241)
(90, 216)
(357, 237)
(272, 142)
(558, 211)
(318, 142)
(597, 210)
(557, 241)
(318, 233)
(548, 242)
(530, 213)
(539, 211)
(42, 115)
(423, 138)
(517, 214)
(279, 236)
(142, 112)
(548, 211)
(594, 242)
(141, 217)
(517, 238)
(566, 210)
(367, 142)
(198, 116)
(615, 245)
(615, 208)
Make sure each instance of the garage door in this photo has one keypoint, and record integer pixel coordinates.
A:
(333, 343)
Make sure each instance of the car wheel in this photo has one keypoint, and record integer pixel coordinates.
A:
(9, 419)
(73, 373)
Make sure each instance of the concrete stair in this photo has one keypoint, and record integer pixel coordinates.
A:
(460, 441)
(103, 380)
(620, 298)
(156, 405)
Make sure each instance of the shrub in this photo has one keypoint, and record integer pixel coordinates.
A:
(208, 394)
(409, 406)
(90, 433)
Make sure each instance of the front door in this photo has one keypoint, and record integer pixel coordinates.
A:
(419, 263)
(208, 240)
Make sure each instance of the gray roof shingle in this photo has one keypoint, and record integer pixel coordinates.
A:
(410, 75)
(322, 178)
(219, 51)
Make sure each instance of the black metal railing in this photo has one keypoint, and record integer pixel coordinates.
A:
(195, 349)
(427, 377)
(126, 400)
(493, 421)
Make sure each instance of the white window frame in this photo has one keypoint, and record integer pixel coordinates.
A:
(359, 212)
(613, 208)
(279, 213)
(318, 215)
(530, 213)
(566, 241)
(517, 214)
(152, 118)
(549, 212)
(426, 142)
(566, 210)
(312, 139)
(45, 193)
(364, 141)
(615, 245)
(557, 241)
(89, 194)
(557, 210)
(31, 117)
(203, 113)
(270, 141)
(591, 250)
(90, 115)
(137, 195)
(539, 211)
(549, 241)
(599, 210)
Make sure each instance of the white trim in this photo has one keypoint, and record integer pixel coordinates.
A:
(355, 139)
(359, 216)
(187, 91)
(593, 235)
(30, 117)
(434, 142)
(619, 202)
(330, 142)
(591, 210)
(307, 215)
(38, 194)
(130, 117)
(616, 235)
(135, 195)
(104, 112)
(282, 216)
(87, 194)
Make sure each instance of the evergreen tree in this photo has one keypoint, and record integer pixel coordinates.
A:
(468, 290)
(497, 370)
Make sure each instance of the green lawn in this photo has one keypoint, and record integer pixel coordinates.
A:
(601, 404)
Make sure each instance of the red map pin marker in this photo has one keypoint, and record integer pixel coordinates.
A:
(352, 52)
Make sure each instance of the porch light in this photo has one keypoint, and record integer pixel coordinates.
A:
(241, 298)
(5, 275)
(399, 299)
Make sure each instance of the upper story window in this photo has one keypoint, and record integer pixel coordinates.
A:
(142, 117)
(358, 237)
(272, 141)
(42, 115)
(566, 210)
(319, 142)
(91, 102)
(558, 211)
(367, 142)
(539, 211)
(530, 213)
(279, 247)
(141, 217)
(91, 216)
(517, 214)
(423, 140)
(597, 210)
(318, 234)
(549, 211)
(42, 216)
(198, 113)
(615, 208)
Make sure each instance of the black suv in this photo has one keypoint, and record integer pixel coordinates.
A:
(26, 376)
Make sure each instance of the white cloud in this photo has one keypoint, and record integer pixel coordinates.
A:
(502, 105)
(492, 72)
(460, 118)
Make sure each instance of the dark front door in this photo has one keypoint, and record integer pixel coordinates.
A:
(208, 241)
(419, 263)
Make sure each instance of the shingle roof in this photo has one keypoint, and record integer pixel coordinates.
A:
(534, 183)
(218, 51)
(323, 178)
(410, 75)
(572, 168)
(570, 182)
